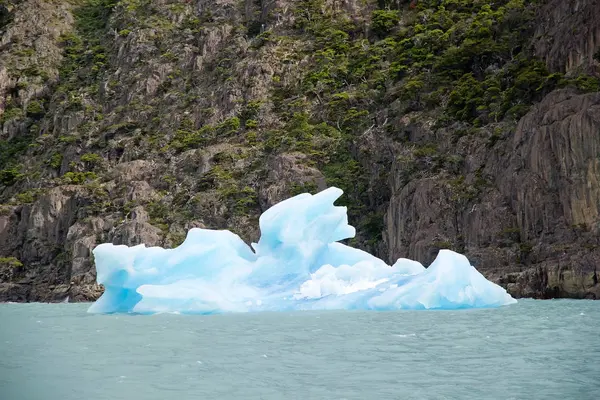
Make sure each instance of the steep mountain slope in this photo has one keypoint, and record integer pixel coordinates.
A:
(470, 125)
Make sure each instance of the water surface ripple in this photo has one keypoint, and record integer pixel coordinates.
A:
(531, 350)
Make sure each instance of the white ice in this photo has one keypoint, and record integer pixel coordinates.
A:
(298, 264)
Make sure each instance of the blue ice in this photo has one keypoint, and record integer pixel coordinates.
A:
(298, 264)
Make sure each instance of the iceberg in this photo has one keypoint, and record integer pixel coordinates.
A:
(298, 264)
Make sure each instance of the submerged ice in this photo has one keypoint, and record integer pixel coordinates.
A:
(298, 264)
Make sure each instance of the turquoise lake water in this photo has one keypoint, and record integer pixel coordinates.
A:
(531, 350)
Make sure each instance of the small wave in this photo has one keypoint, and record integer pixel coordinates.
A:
(406, 335)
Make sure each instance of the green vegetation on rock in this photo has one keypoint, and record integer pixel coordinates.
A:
(176, 114)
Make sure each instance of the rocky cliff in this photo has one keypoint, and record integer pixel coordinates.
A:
(470, 125)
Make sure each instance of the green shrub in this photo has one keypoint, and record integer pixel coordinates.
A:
(25, 52)
(306, 187)
(587, 83)
(27, 197)
(425, 151)
(78, 178)
(229, 126)
(91, 159)
(444, 244)
(67, 139)
(189, 138)
(383, 21)
(9, 176)
(11, 149)
(251, 137)
(55, 160)
(466, 98)
(10, 261)
(157, 210)
(35, 108)
(245, 200)
(11, 113)
(251, 110)
(251, 124)
(170, 56)
(262, 39)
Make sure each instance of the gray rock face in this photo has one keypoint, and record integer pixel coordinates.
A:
(286, 170)
(162, 128)
(535, 226)
(30, 41)
(531, 223)
(36, 235)
(554, 192)
(568, 35)
(137, 230)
